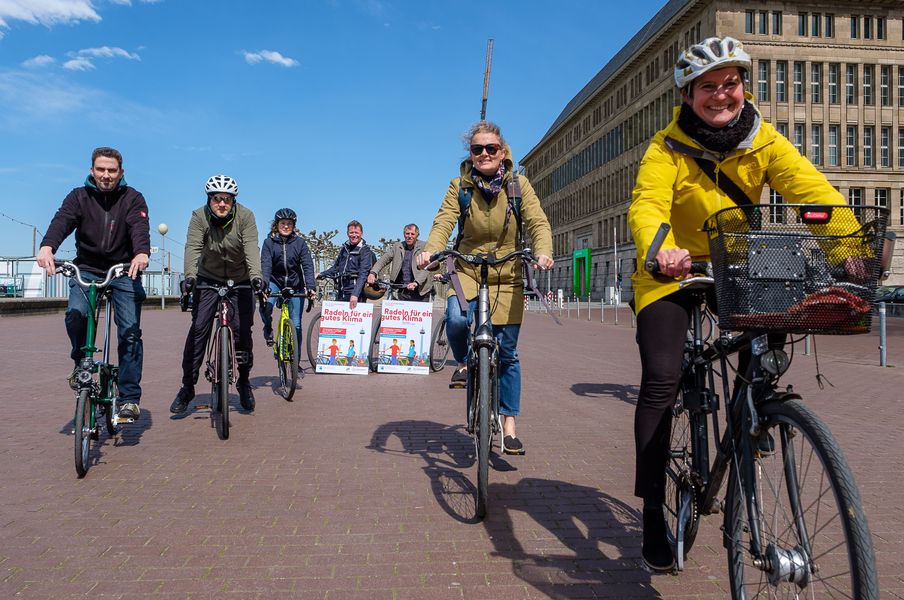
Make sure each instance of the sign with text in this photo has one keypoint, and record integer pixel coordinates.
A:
(344, 342)
(404, 343)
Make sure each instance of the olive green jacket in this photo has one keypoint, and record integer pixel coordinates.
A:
(223, 253)
(483, 232)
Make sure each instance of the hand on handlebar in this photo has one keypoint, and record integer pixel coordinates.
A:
(674, 262)
(45, 260)
(422, 259)
(544, 263)
(138, 264)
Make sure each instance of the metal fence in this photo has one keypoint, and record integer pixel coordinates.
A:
(23, 278)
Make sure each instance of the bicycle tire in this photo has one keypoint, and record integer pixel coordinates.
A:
(439, 347)
(681, 495)
(839, 542)
(223, 383)
(83, 430)
(312, 339)
(288, 360)
(109, 412)
(373, 357)
(483, 430)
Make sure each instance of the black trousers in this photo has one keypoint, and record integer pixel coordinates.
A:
(240, 318)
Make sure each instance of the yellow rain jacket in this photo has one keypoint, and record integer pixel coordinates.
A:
(671, 188)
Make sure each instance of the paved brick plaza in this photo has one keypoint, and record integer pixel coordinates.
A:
(362, 487)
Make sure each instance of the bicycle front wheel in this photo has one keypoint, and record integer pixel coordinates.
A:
(83, 430)
(288, 360)
(483, 430)
(680, 505)
(813, 535)
(439, 347)
(223, 383)
(312, 339)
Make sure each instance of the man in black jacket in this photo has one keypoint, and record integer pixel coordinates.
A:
(352, 265)
(110, 220)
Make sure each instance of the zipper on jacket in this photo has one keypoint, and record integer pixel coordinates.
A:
(285, 262)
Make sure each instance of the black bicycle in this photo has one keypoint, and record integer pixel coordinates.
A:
(483, 418)
(794, 525)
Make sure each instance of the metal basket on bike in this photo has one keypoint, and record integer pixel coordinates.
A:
(796, 268)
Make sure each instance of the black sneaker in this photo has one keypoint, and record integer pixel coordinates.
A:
(129, 410)
(246, 396)
(512, 445)
(656, 552)
(268, 337)
(459, 378)
(183, 399)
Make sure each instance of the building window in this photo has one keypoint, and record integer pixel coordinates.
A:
(901, 147)
(816, 83)
(869, 72)
(832, 156)
(881, 30)
(881, 197)
(763, 80)
(830, 26)
(781, 74)
(850, 147)
(748, 21)
(833, 82)
(855, 199)
(900, 86)
(782, 129)
(776, 22)
(868, 142)
(901, 211)
(816, 144)
(799, 82)
(884, 85)
(850, 84)
(816, 25)
(855, 27)
(884, 140)
(764, 22)
(798, 139)
(802, 24)
(776, 212)
(867, 28)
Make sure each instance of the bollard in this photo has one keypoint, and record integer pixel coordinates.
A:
(615, 307)
(633, 320)
(588, 307)
(882, 339)
(602, 310)
(807, 345)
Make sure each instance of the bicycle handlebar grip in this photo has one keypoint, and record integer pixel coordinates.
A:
(649, 263)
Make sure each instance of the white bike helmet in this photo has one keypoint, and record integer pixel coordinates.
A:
(711, 53)
(222, 184)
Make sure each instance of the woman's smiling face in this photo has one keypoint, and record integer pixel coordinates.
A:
(717, 96)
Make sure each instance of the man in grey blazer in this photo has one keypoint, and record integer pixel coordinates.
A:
(402, 257)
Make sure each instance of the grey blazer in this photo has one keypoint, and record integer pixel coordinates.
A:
(395, 256)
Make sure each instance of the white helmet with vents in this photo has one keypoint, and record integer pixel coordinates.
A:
(222, 184)
(711, 53)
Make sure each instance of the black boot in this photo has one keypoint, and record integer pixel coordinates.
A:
(657, 555)
(246, 396)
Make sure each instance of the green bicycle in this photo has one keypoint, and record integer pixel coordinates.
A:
(96, 390)
(285, 343)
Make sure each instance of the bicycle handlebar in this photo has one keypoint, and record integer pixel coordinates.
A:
(651, 265)
(69, 269)
(481, 258)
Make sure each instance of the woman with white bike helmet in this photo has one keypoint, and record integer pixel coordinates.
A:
(715, 153)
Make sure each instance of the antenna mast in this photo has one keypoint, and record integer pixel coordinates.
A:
(486, 80)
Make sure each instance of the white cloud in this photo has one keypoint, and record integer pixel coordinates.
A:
(252, 58)
(47, 12)
(107, 52)
(42, 60)
(79, 64)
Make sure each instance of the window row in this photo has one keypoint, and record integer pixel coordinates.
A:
(875, 84)
(764, 22)
(838, 145)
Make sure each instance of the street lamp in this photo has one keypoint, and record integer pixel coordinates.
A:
(162, 229)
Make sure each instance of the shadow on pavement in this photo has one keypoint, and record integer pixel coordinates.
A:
(625, 393)
(602, 532)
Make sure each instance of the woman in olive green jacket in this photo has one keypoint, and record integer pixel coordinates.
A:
(488, 170)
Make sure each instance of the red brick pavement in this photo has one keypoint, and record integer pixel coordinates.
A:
(362, 487)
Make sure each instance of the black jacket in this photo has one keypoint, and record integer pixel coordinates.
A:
(353, 264)
(287, 262)
(110, 227)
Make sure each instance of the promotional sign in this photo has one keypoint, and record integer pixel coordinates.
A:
(344, 342)
(405, 337)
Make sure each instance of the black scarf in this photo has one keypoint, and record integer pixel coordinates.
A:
(717, 139)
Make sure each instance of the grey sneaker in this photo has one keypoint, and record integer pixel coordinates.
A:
(129, 410)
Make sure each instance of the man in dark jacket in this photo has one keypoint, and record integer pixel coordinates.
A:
(110, 220)
(352, 265)
(404, 267)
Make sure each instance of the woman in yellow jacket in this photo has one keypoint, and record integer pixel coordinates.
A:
(716, 122)
(490, 227)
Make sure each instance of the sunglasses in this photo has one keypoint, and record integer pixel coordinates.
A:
(492, 149)
(221, 200)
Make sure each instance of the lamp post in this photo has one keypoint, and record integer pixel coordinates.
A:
(162, 229)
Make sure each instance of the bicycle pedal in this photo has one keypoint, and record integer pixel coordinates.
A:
(202, 406)
(117, 420)
(457, 386)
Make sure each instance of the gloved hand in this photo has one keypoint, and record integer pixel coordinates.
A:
(257, 284)
(188, 284)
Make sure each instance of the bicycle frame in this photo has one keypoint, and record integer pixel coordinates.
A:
(220, 320)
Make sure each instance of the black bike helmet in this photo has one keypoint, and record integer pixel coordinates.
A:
(285, 213)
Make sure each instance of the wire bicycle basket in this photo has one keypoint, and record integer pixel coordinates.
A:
(797, 268)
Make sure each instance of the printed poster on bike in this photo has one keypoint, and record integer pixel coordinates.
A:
(344, 342)
(404, 337)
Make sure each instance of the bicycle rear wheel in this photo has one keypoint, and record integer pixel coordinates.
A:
(813, 533)
(111, 409)
(287, 360)
(483, 430)
(439, 347)
(83, 430)
(222, 398)
(680, 506)
(312, 339)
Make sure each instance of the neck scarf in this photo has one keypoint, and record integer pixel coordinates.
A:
(717, 139)
(489, 187)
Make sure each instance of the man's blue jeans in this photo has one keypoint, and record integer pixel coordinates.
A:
(457, 328)
(128, 295)
(296, 305)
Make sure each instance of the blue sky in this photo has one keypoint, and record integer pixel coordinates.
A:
(339, 109)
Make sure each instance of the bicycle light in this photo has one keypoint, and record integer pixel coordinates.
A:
(775, 361)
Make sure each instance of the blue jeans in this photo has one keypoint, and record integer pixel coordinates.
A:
(128, 294)
(457, 329)
(296, 305)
